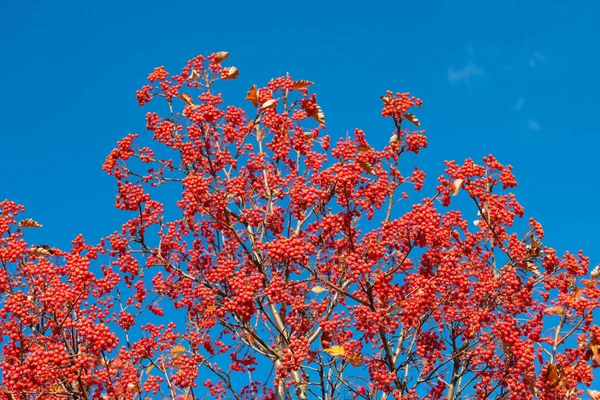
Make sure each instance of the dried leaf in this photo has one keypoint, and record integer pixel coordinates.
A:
(364, 149)
(252, 95)
(595, 348)
(552, 376)
(366, 166)
(455, 186)
(318, 289)
(41, 250)
(325, 339)
(386, 99)
(318, 115)
(506, 348)
(186, 98)
(193, 75)
(531, 383)
(394, 139)
(594, 394)
(532, 267)
(177, 349)
(29, 223)
(302, 84)
(230, 73)
(355, 360)
(269, 104)
(412, 118)
(221, 56)
(595, 272)
(335, 351)
(150, 367)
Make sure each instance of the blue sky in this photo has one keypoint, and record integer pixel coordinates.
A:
(512, 78)
(515, 79)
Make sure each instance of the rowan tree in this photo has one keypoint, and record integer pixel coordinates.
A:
(262, 262)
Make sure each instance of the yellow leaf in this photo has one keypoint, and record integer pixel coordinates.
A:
(269, 104)
(335, 351)
(252, 95)
(301, 84)
(318, 115)
(29, 223)
(455, 186)
(149, 368)
(554, 310)
(230, 73)
(221, 56)
(318, 289)
(177, 349)
(412, 118)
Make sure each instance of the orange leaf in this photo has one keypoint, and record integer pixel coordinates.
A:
(355, 360)
(552, 376)
(412, 118)
(29, 223)
(366, 166)
(177, 349)
(302, 84)
(335, 351)
(364, 149)
(455, 186)
(222, 55)
(230, 73)
(554, 310)
(252, 95)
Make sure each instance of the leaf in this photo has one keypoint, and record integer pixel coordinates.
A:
(595, 348)
(193, 75)
(269, 104)
(318, 115)
(595, 274)
(149, 368)
(552, 376)
(186, 98)
(325, 338)
(412, 118)
(221, 56)
(554, 310)
(230, 73)
(594, 394)
(532, 267)
(252, 95)
(366, 166)
(455, 186)
(177, 349)
(302, 84)
(364, 149)
(41, 250)
(355, 360)
(386, 99)
(335, 351)
(394, 139)
(318, 289)
(29, 223)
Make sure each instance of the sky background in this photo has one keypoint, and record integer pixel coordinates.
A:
(517, 79)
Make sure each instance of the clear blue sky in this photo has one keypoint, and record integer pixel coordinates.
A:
(518, 79)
